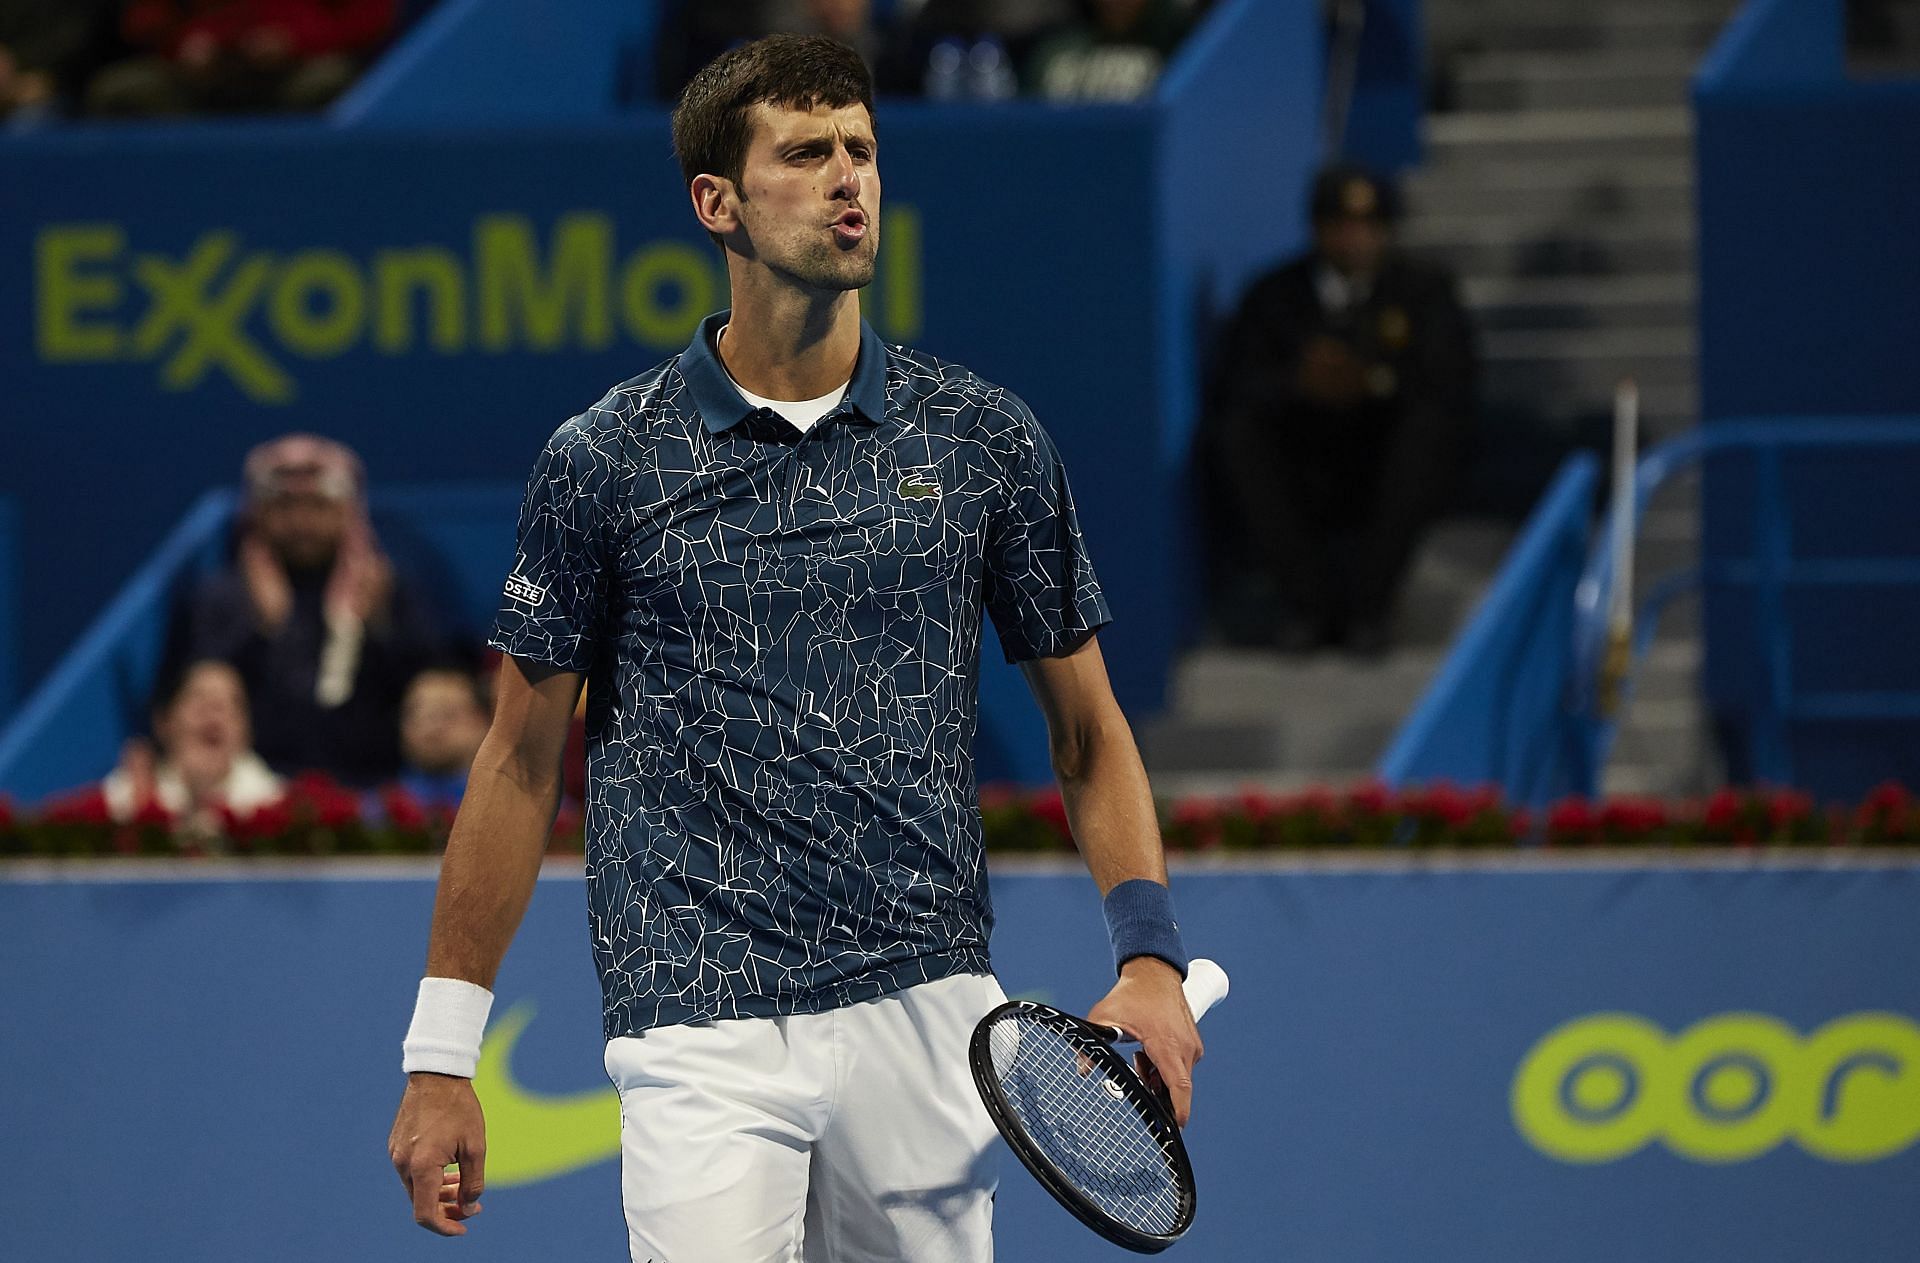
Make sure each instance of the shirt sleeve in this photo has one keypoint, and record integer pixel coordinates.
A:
(1040, 587)
(553, 604)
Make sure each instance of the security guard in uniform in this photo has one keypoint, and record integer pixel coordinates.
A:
(1344, 405)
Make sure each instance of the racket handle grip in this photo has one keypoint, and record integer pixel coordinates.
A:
(1206, 986)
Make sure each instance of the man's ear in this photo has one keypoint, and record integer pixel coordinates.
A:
(716, 204)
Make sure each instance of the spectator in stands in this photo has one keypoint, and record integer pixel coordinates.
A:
(443, 719)
(238, 55)
(201, 761)
(46, 48)
(1115, 52)
(1345, 402)
(967, 50)
(311, 614)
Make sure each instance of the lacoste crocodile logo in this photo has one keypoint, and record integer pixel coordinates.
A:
(920, 486)
(532, 1136)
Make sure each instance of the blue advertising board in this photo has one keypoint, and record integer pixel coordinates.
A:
(1583, 1063)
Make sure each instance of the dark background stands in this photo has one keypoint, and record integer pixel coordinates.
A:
(1115, 52)
(221, 55)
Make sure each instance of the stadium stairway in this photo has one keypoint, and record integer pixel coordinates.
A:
(1559, 187)
(1239, 718)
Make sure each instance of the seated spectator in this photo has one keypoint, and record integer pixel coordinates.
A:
(201, 761)
(1344, 407)
(46, 48)
(442, 722)
(238, 55)
(311, 614)
(1115, 52)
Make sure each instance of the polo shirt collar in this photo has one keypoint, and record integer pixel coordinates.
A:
(719, 401)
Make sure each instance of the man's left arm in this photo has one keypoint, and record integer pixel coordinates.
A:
(1110, 809)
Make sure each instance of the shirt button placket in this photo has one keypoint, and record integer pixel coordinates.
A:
(810, 487)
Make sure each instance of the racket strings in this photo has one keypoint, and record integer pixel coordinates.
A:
(1086, 1124)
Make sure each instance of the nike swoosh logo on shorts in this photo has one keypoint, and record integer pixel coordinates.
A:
(533, 1136)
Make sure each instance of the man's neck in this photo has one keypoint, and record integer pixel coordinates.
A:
(781, 344)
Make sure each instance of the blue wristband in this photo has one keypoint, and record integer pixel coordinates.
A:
(1140, 923)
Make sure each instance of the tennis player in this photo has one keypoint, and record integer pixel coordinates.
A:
(768, 560)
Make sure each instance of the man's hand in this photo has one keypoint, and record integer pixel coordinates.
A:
(267, 584)
(440, 1123)
(1331, 373)
(1148, 1005)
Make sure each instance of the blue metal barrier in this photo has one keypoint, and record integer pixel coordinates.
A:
(1495, 713)
(1784, 708)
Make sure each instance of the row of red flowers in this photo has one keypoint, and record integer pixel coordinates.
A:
(318, 817)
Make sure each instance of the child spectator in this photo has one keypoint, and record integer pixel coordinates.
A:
(442, 722)
(201, 760)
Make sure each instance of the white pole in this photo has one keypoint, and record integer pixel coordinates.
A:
(1626, 425)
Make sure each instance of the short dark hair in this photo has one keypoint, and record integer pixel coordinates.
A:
(1347, 190)
(798, 72)
(171, 686)
(470, 680)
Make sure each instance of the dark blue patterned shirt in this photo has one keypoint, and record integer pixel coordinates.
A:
(781, 633)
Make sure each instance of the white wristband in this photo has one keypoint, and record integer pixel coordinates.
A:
(449, 1017)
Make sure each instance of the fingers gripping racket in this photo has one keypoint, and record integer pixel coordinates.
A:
(1072, 1109)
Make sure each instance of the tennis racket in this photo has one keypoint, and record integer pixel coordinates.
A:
(1095, 1136)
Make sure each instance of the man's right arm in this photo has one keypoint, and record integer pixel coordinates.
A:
(492, 860)
(500, 834)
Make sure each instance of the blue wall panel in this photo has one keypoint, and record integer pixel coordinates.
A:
(507, 61)
(1809, 299)
(9, 606)
(218, 1060)
(1809, 265)
(1390, 92)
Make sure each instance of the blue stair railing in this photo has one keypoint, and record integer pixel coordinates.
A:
(1774, 572)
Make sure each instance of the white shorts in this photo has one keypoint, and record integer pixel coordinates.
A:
(851, 1136)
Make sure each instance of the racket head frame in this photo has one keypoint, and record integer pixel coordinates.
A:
(1096, 1044)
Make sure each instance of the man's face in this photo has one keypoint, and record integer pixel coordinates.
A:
(441, 723)
(1354, 244)
(209, 715)
(810, 195)
(303, 526)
